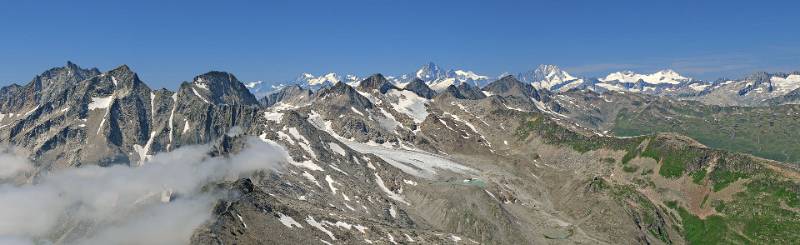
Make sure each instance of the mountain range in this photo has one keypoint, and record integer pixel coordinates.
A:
(775, 88)
(432, 157)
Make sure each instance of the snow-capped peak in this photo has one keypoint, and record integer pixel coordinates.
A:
(785, 84)
(550, 77)
(252, 85)
(660, 77)
(329, 78)
(305, 80)
(429, 72)
(439, 79)
(552, 73)
(200, 83)
(466, 75)
(310, 81)
(260, 89)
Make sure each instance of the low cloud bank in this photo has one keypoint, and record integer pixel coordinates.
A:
(13, 163)
(158, 203)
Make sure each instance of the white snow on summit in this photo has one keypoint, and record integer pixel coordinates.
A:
(550, 77)
(468, 75)
(330, 78)
(660, 77)
(438, 79)
(787, 84)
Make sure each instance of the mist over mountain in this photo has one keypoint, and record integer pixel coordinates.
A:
(157, 203)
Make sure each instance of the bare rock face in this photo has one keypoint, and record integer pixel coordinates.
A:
(510, 86)
(376, 82)
(343, 95)
(292, 94)
(420, 88)
(51, 85)
(88, 117)
(792, 97)
(219, 88)
(470, 91)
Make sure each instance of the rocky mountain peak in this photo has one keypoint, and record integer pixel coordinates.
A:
(48, 85)
(471, 92)
(86, 73)
(344, 96)
(218, 87)
(545, 70)
(70, 74)
(72, 66)
(291, 94)
(451, 91)
(219, 77)
(376, 82)
(124, 77)
(338, 88)
(430, 72)
(760, 76)
(420, 88)
(505, 81)
(122, 69)
(510, 86)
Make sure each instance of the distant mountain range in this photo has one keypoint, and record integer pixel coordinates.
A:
(756, 89)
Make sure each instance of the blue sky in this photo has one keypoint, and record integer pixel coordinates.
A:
(170, 41)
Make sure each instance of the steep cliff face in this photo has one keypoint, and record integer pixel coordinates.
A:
(87, 117)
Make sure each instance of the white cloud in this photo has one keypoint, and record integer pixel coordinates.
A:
(125, 205)
(13, 163)
(15, 241)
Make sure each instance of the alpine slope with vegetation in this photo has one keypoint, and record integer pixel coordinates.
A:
(429, 157)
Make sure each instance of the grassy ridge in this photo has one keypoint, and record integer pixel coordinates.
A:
(766, 211)
(674, 159)
(552, 133)
(772, 133)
